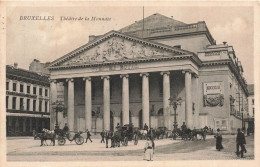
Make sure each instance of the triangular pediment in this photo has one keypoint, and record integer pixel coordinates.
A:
(116, 47)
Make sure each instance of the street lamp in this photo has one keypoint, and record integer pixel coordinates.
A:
(174, 102)
(58, 107)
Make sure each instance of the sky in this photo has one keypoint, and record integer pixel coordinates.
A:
(49, 40)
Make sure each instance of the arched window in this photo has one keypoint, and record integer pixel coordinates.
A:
(160, 111)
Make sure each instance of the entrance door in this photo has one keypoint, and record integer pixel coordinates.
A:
(81, 124)
(141, 119)
(160, 118)
(111, 121)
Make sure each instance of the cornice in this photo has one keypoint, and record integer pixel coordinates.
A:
(116, 34)
(193, 57)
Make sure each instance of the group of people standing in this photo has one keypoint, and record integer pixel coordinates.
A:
(240, 142)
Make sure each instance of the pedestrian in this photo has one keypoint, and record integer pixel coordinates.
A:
(241, 141)
(218, 137)
(149, 150)
(88, 136)
(102, 134)
(107, 137)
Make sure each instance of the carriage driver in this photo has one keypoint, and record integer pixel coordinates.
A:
(145, 127)
(66, 129)
(183, 127)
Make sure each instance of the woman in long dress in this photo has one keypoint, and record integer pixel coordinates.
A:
(218, 137)
(148, 150)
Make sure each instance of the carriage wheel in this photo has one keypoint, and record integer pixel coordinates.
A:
(61, 141)
(79, 140)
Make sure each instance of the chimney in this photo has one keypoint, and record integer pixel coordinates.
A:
(15, 65)
(92, 38)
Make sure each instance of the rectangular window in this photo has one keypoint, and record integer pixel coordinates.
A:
(46, 92)
(253, 101)
(28, 105)
(7, 85)
(7, 98)
(34, 105)
(21, 104)
(46, 106)
(21, 88)
(253, 112)
(34, 90)
(14, 86)
(40, 106)
(14, 103)
(28, 89)
(40, 91)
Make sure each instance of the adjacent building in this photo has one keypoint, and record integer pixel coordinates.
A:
(27, 101)
(128, 76)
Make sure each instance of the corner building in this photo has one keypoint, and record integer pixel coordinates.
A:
(127, 76)
(27, 101)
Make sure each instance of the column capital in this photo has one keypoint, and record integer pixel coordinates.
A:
(186, 71)
(53, 80)
(124, 75)
(144, 74)
(70, 79)
(165, 72)
(87, 78)
(195, 75)
(105, 77)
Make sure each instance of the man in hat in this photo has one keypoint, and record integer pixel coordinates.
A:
(241, 141)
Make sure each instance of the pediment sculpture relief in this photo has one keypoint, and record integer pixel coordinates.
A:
(116, 48)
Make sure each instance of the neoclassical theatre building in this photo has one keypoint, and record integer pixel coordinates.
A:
(128, 76)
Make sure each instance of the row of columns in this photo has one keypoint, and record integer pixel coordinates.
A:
(125, 99)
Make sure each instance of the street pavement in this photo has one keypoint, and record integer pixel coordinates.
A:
(27, 149)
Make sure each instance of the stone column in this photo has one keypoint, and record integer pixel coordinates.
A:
(106, 102)
(188, 103)
(53, 98)
(88, 103)
(197, 100)
(125, 99)
(70, 104)
(166, 96)
(145, 98)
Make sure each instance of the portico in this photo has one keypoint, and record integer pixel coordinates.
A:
(124, 83)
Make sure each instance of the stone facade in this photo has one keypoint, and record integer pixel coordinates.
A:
(121, 78)
(27, 102)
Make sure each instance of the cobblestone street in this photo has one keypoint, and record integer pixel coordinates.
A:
(27, 149)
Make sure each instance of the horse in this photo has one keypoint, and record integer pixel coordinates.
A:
(200, 132)
(143, 133)
(47, 135)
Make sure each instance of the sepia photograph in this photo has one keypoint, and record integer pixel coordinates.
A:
(95, 82)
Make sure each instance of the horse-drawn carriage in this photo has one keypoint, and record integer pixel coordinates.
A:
(62, 136)
(123, 135)
(188, 134)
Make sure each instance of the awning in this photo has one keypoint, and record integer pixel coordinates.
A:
(27, 115)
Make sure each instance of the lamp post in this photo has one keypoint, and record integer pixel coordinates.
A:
(174, 102)
(58, 107)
